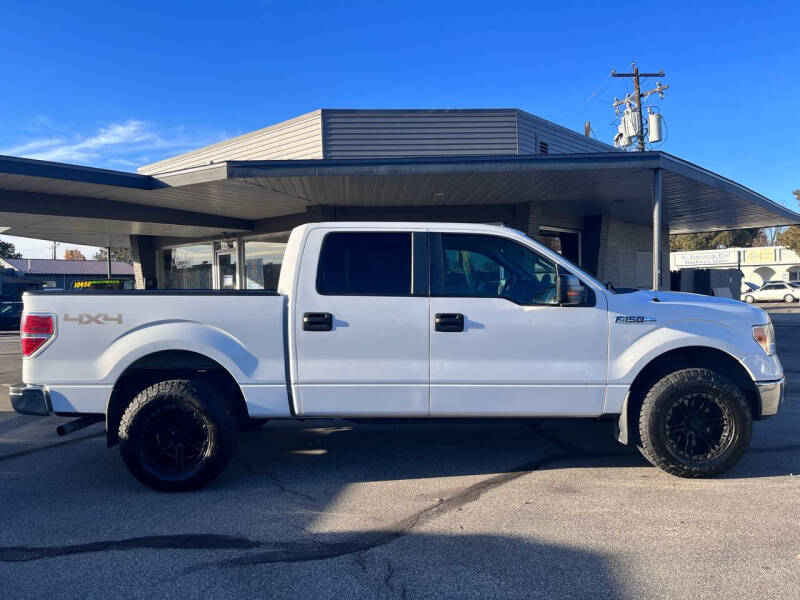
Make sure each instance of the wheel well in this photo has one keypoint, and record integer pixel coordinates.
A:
(170, 364)
(682, 358)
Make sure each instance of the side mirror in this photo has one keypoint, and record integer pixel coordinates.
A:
(571, 292)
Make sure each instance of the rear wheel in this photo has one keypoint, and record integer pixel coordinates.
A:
(178, 435)
(788, 298)
(749, 299)
(695, 423)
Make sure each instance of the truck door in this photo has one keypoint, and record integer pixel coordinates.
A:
(361, 324)
(500, 343)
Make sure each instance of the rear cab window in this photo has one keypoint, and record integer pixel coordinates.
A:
(365, 264)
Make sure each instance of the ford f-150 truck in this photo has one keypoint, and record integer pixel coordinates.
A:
(399, 320)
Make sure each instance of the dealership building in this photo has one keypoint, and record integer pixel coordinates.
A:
(757, 265)
(218, 217)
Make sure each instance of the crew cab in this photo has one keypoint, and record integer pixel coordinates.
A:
(399, 320)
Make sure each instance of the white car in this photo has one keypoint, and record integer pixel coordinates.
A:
(399, 320)
(773, 291)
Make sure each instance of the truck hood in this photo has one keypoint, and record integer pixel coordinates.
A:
(669, 306)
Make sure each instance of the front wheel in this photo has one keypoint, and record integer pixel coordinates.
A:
(695, 423)
(788, 298)
(749, 299)
(178, 435)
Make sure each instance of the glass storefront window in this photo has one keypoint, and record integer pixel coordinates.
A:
(188, 267)
(262, 264)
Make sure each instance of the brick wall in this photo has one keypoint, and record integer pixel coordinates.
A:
(143, 255)
(626, 254)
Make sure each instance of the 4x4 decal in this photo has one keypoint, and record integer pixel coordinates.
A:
(100, 319)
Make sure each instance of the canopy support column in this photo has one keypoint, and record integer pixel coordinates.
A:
(656, 194)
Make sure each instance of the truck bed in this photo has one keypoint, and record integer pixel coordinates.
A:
(100, 333)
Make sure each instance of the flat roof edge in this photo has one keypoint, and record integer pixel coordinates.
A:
(15, 165)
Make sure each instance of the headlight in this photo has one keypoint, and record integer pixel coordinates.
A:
(765, 336)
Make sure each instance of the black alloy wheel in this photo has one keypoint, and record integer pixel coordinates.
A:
(178, 435)
(176, 442)
(694, 422)
(698, 427)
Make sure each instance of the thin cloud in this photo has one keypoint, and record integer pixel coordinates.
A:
(27, 147)
(118, 144)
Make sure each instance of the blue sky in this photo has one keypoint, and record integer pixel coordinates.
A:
(117, 85)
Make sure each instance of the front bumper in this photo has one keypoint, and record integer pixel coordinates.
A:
(771, 393)
(30, 399)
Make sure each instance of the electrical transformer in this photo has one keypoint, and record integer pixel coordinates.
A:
(654, 127)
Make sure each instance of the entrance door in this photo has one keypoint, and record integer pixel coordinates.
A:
(361, 324)
(500, 343)
(566, 242)
(226, 263)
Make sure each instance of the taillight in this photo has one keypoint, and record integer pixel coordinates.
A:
(36, 330)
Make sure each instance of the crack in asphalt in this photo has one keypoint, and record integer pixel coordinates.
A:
(285, 552)
(159, 542)
(294, 552)
(387, 580)
(316, 550)
(281, 486)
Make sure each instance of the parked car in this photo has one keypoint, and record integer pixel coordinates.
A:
(397, 320)
(748, 286)
(773, 291)
(10, 315)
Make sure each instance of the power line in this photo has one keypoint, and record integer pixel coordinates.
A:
(639, 96)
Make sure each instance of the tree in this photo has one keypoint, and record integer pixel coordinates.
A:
(712, 240)
(790, 237)
(7, 250)
(73, 254)
(117, 255)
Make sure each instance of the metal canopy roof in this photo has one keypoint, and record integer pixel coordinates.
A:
(94, 206)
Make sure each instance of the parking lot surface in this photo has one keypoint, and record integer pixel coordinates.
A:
(331, 509)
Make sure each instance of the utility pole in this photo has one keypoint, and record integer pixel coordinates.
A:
(638, 96)
(55, 245)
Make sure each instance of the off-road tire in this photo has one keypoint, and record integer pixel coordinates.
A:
(749, 299)
(788, 298)
(668, 392)
(174, 402)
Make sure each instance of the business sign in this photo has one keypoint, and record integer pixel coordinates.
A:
(760, 255)
(705, 258)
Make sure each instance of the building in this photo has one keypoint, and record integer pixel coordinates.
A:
(757, 265)
(21, 274)
(219, 216)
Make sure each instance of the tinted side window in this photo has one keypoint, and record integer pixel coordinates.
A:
(366, 264)
(489, 266)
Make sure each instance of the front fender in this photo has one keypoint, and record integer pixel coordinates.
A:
(632, 347)
(191, 336)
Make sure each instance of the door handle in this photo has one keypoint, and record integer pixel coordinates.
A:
(449, 322)
(317, 321)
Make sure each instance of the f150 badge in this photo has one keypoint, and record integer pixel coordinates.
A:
(100, 319)
(634, 319)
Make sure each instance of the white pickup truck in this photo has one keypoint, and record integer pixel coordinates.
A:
(399, 320)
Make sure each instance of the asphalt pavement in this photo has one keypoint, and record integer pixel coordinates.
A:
(329, 509)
